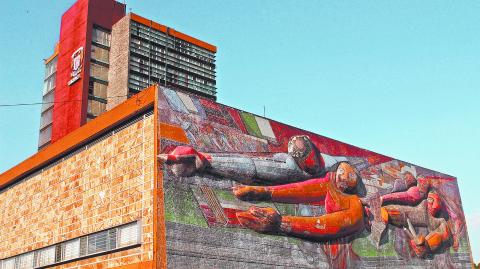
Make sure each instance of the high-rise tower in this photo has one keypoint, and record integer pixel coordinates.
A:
(104, 56)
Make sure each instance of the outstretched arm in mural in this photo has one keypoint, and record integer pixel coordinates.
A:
(309, 191)
(344, 212)
(327, 227)
(303, 161)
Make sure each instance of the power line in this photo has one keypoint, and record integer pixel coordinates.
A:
(23, 104)
(57, 102)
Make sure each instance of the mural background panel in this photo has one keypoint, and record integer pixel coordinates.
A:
(236, 161)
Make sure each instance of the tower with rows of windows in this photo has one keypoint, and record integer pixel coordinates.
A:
(105, 56)
(144, 52)
(46, 114)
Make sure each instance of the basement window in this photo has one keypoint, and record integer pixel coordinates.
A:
(99, 243)
(8, 263)
(46, 256)
(128, 235)
(71, 249)
(25, 261)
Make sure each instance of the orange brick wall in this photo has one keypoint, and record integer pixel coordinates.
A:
(105, 185)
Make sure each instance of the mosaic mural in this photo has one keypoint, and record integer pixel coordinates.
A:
(245, 179)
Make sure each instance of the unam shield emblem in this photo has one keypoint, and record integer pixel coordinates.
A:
(77, 64)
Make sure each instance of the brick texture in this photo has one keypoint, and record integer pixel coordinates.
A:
(108, 184)
(118, 72)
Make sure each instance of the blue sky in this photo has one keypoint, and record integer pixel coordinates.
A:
(400, 78)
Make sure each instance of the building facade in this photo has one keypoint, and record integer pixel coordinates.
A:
(82, 65)
(97, 36)
(86, 200)
(48, 96)
(174, 180)
(145, 52)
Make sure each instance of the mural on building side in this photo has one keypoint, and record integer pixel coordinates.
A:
(248, 174)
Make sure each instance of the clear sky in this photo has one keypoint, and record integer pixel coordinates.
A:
(397, 77)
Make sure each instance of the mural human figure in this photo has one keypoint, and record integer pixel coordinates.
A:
(419, 205)
(344, 211)
(411, 192)
(408, 178)
(425, 214)
(301, 176)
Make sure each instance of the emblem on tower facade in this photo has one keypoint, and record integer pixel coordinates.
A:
(76, 65)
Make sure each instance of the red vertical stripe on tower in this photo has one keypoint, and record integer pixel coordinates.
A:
(70, 108)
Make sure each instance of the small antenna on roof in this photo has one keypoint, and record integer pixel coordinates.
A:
(264, 111)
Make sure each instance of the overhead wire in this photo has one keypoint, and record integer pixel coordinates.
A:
(54, 102)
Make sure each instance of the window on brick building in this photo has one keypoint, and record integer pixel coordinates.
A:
(97, 89)
(128, 234)
(99, 71)
(51, 67)
(46, 256)
(8, 263)
(25, 261)
(98, 242)
(96, 107)
(45, 135)
(71, 249)
(100, 54)
(117, 238)
(101, 36)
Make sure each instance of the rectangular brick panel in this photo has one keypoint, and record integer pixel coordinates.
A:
(119, 57)
(105, 185)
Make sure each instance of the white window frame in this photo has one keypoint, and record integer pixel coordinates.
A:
(60, 258)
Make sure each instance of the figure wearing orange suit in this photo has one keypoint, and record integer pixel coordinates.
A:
(344, 211)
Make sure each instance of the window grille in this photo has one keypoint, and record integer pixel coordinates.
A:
(46, 256)
(8, 263)
(71, 249)
(117, 238)
(25, 261)
(83, 246)
(97, 242)
(128, 235)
